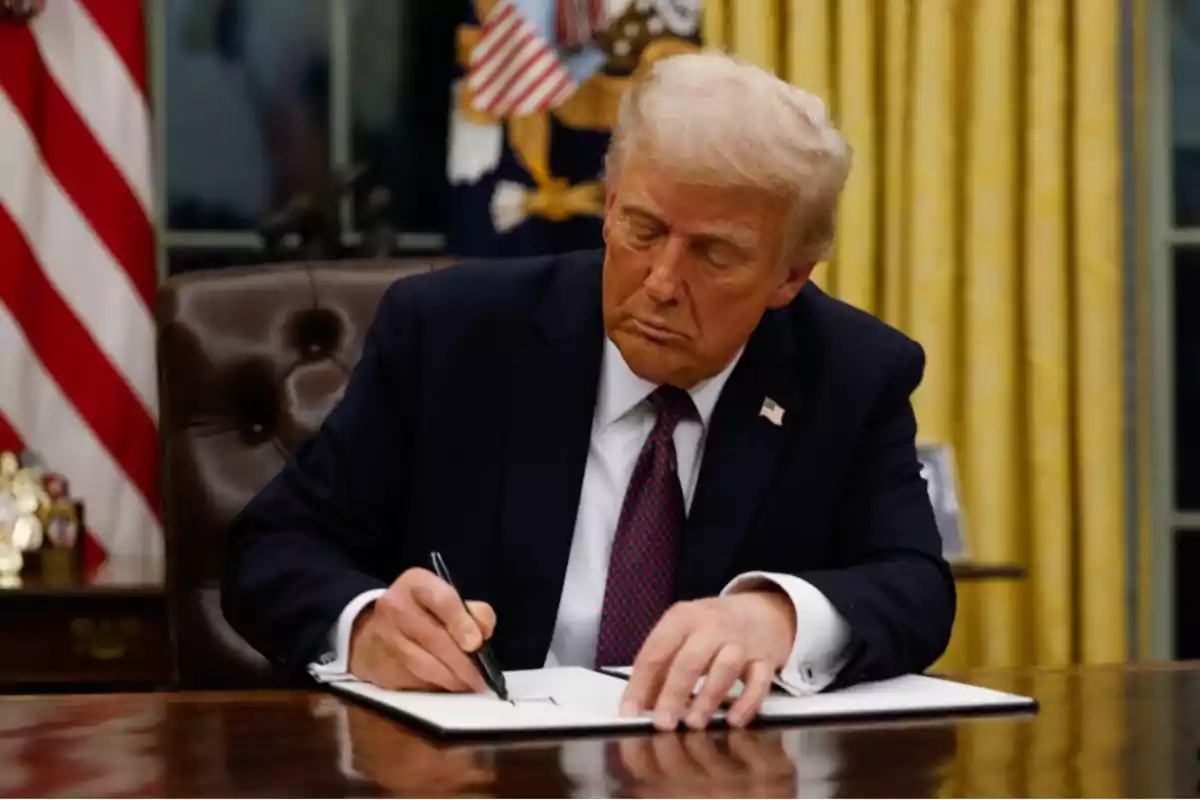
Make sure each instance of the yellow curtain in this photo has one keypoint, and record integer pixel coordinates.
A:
(983, 218)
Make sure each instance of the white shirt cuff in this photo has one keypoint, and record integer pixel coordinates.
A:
(336, 659)
(821, 632)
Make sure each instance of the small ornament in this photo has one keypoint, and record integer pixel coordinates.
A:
(56, 486)
(21, 10)
(26, 488)
(61, 523)
(9, 466)
(27, 533)
(37, 513)
(11, 562)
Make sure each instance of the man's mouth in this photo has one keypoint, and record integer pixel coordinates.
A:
(656, 332)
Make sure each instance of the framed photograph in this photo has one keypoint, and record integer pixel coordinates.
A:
(937, 468)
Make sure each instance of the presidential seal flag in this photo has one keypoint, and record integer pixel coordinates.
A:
(531, 112)
(77, 266)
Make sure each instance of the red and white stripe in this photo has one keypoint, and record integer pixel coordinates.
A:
(513, 70)
(578, 21)
(77, 265)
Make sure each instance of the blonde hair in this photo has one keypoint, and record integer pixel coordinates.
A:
(715, 120)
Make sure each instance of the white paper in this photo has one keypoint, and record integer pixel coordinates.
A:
(585, 699)
(582, 699)
(909, 694)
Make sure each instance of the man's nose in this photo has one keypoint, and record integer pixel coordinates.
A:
(663, 281)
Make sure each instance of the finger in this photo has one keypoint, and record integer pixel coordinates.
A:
(756, 683)
(379, 662)
(425, 667)
(652, 662)
(729, 663)
(388, 663)
(443, 602)
(689, 664)
(484, 616)
(426, 631)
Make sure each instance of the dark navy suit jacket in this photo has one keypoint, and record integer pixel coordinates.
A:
(465, 428)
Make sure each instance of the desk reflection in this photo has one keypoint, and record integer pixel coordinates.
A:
(708, 765)
(766, 762)
(1101, 732)
(403, 762)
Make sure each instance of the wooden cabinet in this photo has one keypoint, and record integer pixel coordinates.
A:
(108, 630)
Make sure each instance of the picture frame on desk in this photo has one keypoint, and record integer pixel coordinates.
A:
(941, 477)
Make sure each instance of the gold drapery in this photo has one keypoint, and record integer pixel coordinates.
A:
(983, 218)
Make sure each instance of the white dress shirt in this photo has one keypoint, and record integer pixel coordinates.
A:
(623, 419)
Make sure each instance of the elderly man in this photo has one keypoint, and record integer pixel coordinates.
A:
(677, 454)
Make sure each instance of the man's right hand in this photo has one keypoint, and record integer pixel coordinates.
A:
(417, 635)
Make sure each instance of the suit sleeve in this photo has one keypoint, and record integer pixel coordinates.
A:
(892, 585)
(323, 530)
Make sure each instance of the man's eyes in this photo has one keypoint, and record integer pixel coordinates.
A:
(643, 233)
(718, 256)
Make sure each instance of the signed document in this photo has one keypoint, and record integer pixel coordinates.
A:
(574, 699)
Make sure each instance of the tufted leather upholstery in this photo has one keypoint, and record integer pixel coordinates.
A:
(250, 362)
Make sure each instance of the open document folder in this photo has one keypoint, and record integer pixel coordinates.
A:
(574, 699)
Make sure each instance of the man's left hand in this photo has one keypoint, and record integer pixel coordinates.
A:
(747, 636)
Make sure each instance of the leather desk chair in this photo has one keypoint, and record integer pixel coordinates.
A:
(250, 362)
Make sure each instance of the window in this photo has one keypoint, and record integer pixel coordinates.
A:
(1173, 94)
(266, 100)
(247, 108)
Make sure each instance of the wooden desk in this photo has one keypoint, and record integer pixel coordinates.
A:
(107, 629)
(1101, 731)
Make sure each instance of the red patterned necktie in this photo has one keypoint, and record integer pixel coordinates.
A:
(641, 569)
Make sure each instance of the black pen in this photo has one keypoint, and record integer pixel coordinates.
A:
(483, 658)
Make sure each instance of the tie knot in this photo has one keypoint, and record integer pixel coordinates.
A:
(672, 405)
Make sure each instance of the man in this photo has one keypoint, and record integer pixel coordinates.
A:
(677, 454)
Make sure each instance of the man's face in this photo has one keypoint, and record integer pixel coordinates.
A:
(689, 271)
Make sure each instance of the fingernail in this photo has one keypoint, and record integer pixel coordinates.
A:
(695, 720)
(469, 639)
(629, 709)
(664, 720)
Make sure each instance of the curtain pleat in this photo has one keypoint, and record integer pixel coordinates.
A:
(1047, 317)
(990, 273)
(858, 118)
(1097, 319)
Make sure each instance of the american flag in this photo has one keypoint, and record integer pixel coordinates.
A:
(77, 264)
(513, 70)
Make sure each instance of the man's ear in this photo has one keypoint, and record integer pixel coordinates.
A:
(794, 279)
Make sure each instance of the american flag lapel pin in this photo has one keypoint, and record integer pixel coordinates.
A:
(772, 411)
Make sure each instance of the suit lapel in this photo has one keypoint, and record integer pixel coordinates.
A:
(551, 402)
(740, 453)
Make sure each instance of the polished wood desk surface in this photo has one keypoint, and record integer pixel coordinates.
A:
(1112, 731)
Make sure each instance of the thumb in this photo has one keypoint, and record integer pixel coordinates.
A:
(484, 615)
